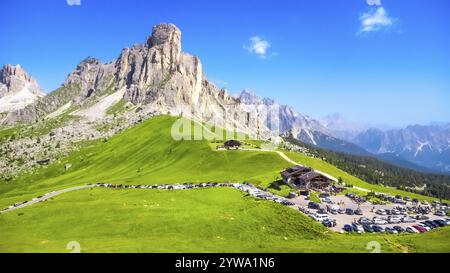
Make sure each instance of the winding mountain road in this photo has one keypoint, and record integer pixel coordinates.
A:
(285, 157)
(45, 197)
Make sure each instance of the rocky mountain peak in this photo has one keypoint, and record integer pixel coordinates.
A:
(17, 88)
(165, 33)
(249, 97)
(10, 75)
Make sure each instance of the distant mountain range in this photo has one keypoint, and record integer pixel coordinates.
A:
(157, 77)
(424, 147)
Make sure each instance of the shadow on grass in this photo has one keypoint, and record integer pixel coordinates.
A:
(276, 185)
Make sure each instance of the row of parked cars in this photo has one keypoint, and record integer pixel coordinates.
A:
(417, 228)
(166, 186)
(246, 187)
(335, 209)
(261, 194)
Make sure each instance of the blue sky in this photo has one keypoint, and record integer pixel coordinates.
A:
(387, 64)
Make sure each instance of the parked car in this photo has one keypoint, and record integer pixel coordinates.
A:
(379, 221)
(348, 228)
(439, 223)
(440, 213)
(349, 211)
(341, 211)
(319, 217)
(350, 195)
(377, 228)
(364, 220)
(390, 230)
(431, 224)
(322, 211)
(381, 212)
(313, 205)
(411, 230)
(358, 212)
(408, 220)
(395, 212)
(420, 229)
(394, 219)
(367, 228)
(424, 226)
(357, 227)
(329, 223)
(443, 221)
(422, 217)
(399, 229)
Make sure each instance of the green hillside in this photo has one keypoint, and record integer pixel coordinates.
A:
(204, 220)
(147, 154)
(201, 220)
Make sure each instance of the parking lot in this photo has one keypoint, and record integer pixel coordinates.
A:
(368, 211)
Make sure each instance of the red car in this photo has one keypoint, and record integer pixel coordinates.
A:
(420, 229)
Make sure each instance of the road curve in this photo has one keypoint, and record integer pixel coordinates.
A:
(285, 157)
(45, 197)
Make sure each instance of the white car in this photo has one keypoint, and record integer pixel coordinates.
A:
(395, 212)
(412, 230)
(381, 212)
(394, 220)
(440, 213)
(408, 220)
(379, 221)
(320, 217)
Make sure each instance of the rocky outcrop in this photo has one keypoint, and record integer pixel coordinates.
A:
(156, 76)
(284, 119)
(17, 88)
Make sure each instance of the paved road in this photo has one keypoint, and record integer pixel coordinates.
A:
(47, 196)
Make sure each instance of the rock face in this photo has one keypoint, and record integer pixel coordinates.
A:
(156, 76)
(17, 89)
(286, 120)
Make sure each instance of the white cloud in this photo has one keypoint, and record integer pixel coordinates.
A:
(375, 20)
(374, 2)
(258, 46)
(73, 2)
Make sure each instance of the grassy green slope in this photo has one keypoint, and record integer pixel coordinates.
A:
(105, 220)
(147, 154)
(201, 220)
